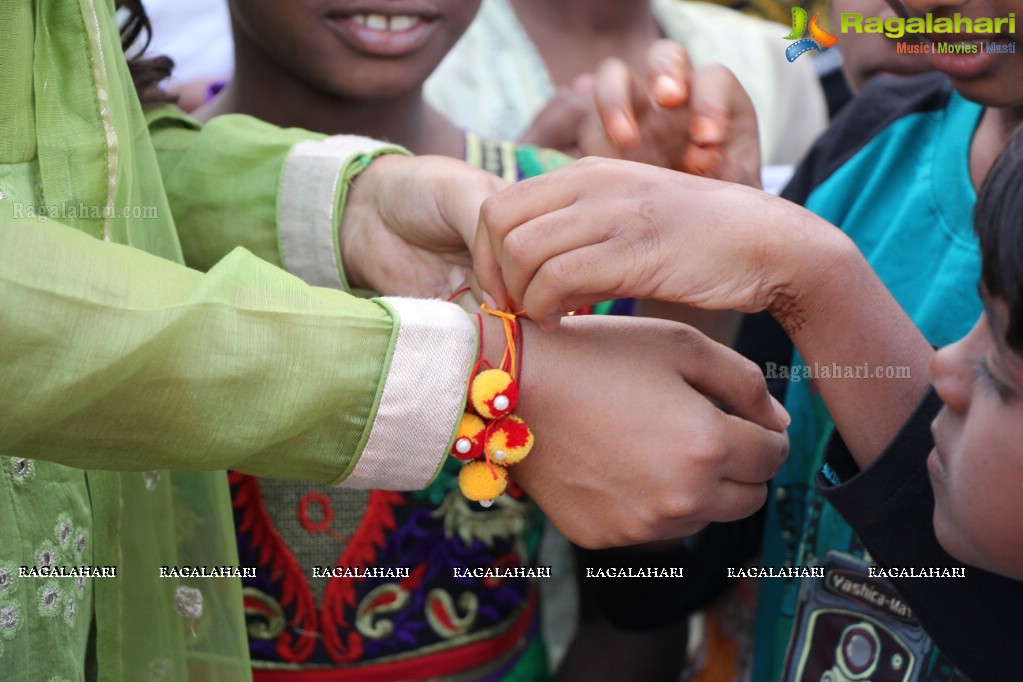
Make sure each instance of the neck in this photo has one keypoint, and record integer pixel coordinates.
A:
(996, 127)
(574, 36)
(587, 16)
(260, 88)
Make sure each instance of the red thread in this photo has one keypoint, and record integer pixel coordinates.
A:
(458, 293)
(326, 510)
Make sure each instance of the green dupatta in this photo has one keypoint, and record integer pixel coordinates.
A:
(73, 139)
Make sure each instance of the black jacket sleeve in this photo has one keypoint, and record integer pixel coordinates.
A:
(976, 620)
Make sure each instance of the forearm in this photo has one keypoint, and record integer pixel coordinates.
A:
(112, 358)
(867, 358)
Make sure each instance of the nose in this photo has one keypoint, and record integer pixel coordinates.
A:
(952, 368)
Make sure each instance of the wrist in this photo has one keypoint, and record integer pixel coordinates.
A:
(361, 175)
(813, 265)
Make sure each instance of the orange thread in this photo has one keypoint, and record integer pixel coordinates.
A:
(510, 321)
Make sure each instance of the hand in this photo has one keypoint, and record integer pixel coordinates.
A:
(407, 224)
(699, 121)
(631, 445)
(603, 229)
(557, 124)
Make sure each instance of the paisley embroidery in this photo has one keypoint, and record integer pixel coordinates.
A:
(384, 599)
(443, 616)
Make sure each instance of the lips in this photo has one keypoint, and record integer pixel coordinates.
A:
(384, 35)
(963, 65)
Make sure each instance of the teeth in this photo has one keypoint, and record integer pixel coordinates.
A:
(381, 22)
(403, 22)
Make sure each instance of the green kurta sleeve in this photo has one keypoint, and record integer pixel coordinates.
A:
(122, 360)
(238, 181)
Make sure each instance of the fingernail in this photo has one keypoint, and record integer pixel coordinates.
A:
(705, 130)
(620, 129)
(668, 92)
(782, 413)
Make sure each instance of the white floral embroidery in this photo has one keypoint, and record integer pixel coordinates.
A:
(46, 557)
(188, 602)
(151, 478)
(159, 670)
(23, 469)
(6, 577)
(69, 611)
(63, 530)
(80, 543)
(49, 599)
(10, 619)
(80, 584)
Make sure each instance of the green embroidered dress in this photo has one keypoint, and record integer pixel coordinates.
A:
(118, 364)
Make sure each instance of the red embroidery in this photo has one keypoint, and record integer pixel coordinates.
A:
(284, 570)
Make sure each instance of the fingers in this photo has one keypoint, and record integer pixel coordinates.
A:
(669, 72)
(515, 210)
(722, 128)
(619, 101)
(757, 454)
(731, 380)
(557, 124)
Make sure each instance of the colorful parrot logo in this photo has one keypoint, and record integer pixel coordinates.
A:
(818, 41)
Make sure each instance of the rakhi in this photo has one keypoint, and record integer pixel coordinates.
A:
(490, 438)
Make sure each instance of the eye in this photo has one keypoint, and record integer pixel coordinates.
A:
(982, 373)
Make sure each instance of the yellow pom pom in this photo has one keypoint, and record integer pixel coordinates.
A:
(477, 481)
(468, 438)
(493, 393)
(509, 440)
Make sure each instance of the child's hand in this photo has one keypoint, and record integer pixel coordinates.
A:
(631, 445)
(557, 125)
(602, 229)
(700, 121)
(409, 222)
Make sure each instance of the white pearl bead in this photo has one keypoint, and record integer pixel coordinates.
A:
(499, 455)
(463, 445)
(501, 403)
(486, 503)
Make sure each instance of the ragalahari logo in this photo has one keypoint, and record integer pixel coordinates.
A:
(818, 41)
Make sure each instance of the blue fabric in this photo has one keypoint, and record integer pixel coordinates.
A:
(906, 199)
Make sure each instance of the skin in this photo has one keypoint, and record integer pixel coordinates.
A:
(298, 65)
(976, 467)
(554, 244)
(604, 229)
(996, 81)
(866, 55)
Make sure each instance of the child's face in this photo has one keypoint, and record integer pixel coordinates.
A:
(865, 55)
(976, 467)
(994, 80)
(363, 49)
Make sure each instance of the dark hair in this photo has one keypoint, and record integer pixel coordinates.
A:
(145, 72)
(998, 219)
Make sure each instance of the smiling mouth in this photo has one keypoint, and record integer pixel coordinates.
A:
(385, 22)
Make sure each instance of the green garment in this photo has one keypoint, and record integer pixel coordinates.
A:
(116, 359)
